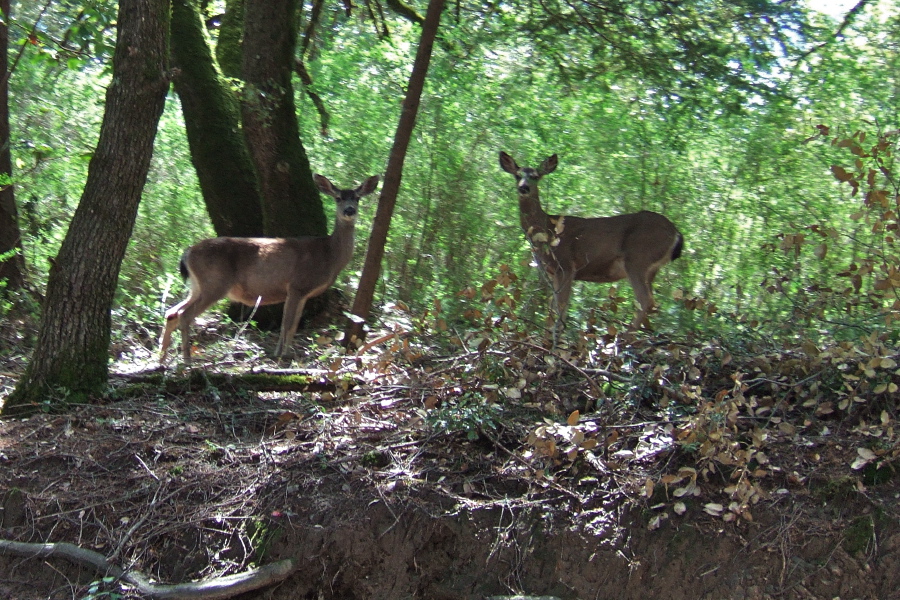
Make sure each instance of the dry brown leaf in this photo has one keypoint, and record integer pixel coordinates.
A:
(573, 418)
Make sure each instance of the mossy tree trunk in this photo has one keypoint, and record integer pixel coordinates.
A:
(70, 362)
(11, 268)
(212, 116)
(250, 161)
(231, 32)
(291, 203)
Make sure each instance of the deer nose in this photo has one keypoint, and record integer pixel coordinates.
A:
(523, 186)
(349, 211)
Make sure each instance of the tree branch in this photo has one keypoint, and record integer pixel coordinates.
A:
(406, 11)
(306, 80)
(219, 588)
(846, 22)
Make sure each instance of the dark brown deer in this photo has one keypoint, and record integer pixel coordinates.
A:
(599, 249)
(258, 271)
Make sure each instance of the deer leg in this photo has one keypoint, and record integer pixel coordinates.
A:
(640, 282)
(183, 315)
(562, 292)
(184, 324)
(290, 320)
(171, 324)
(185, 320)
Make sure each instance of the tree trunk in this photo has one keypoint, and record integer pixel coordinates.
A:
(12, 268)
(212, 119)
(70, 362)
(362, 304)
(231, 32)
(291, 203)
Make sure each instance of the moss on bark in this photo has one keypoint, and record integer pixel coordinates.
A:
(212, 119)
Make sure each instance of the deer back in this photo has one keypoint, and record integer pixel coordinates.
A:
(598, 249)
(245, 269)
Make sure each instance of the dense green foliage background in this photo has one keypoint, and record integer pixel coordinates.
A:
(740, 174)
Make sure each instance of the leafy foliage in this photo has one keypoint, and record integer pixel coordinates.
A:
(683, 52)
(64, 35)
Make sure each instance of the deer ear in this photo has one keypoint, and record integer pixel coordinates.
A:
(325, 186)
(508, 164)
(367, 187)
(549, 165)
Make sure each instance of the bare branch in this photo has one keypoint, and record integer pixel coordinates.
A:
(219, 588)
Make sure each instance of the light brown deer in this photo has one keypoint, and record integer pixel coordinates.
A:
(599, 249)
(266, 270)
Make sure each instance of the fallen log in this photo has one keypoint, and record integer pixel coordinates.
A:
(219, 588)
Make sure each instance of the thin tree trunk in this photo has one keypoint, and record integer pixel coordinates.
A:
(70, 362)
(291, 202)
(362, 304)
(212, 119)
(12, 268)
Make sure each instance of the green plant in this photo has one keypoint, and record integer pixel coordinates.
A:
(859, 534)
(470, 414)
(5, 303)
(262, 535)
(97, 590)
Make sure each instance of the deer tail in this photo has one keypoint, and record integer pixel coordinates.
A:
(679, 245)
(182, 266)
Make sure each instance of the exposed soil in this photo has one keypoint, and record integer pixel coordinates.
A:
(193, 478)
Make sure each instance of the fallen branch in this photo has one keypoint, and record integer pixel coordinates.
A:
(381, 340)
(519, 597)
(219, 588)
(257, 381)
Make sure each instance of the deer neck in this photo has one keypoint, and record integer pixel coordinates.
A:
(342, 241)
(531, 213)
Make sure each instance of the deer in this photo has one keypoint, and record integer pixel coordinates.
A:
(599, 249)
(259, 271)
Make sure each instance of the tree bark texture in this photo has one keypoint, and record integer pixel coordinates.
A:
(362, 304)
(12, 269)
(231, 32)
(70, 362)
(212, 119)
(291, 203)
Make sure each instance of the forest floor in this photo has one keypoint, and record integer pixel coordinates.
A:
(611, 467)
